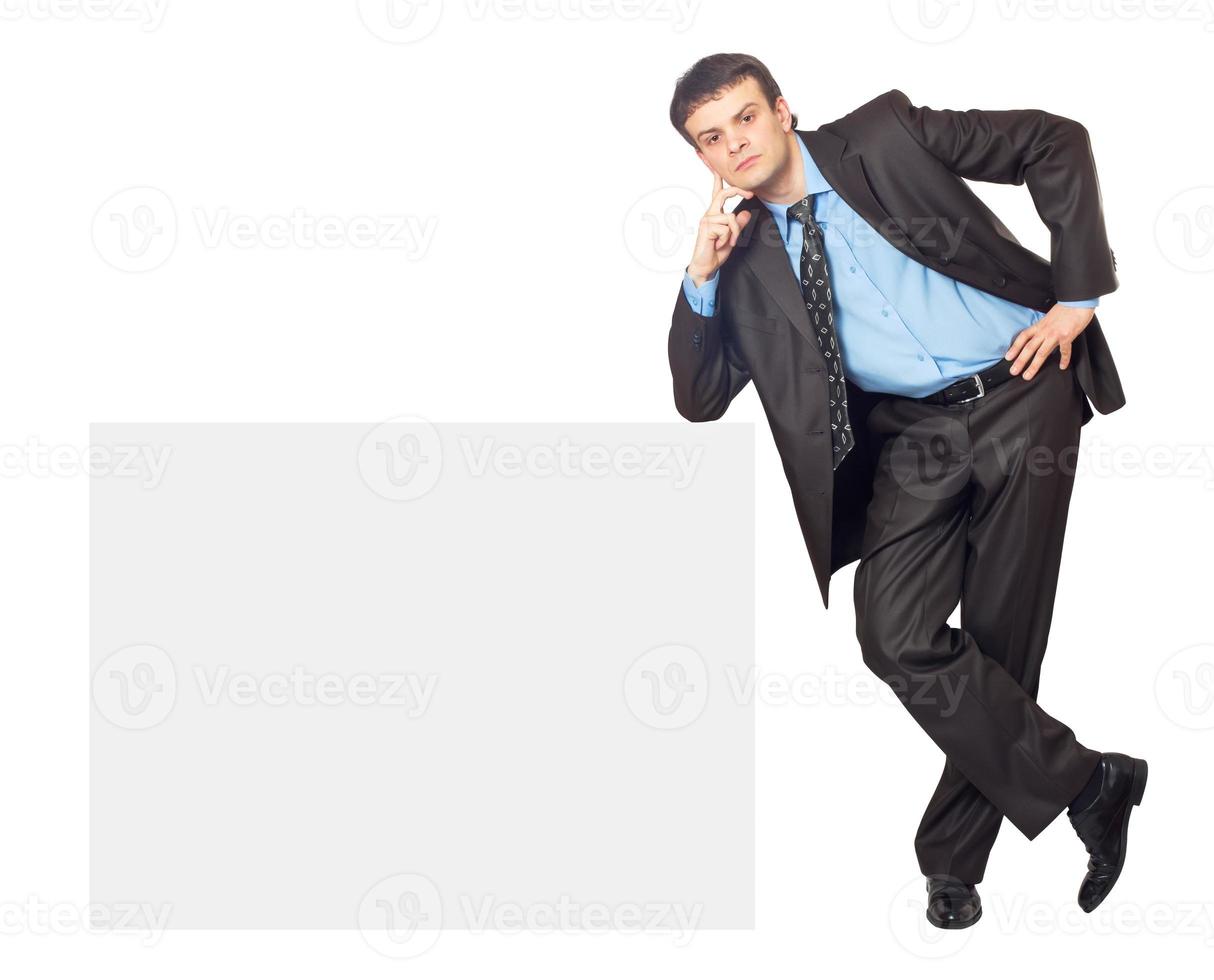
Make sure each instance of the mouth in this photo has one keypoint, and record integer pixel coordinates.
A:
(747, 162)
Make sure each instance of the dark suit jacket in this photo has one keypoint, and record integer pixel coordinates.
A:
(901, 168)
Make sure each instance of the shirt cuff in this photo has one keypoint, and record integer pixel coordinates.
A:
(702, 299)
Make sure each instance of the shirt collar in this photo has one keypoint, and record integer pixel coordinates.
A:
(815, 183)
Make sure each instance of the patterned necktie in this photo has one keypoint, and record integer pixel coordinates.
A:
(815, 290)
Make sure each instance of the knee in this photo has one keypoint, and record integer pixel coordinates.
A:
(873, 623)
(878, 643)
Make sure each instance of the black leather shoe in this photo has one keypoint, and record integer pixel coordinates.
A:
(1105, 822)
(951, 903)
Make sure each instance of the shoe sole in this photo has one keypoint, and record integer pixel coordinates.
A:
(955, 925)
(1137, 788)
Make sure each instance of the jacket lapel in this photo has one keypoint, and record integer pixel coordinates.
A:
(764, 252)
(845, 173)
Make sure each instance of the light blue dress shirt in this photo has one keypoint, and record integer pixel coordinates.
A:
(903, 328)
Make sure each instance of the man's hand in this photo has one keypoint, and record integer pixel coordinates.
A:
(1058, 328)
(718, 232)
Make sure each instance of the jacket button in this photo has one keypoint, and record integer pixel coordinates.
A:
(1001, 281)
(945, 259)
(696, 337)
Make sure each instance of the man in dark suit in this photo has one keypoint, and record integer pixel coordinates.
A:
(925, 378)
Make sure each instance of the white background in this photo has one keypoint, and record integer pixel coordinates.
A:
(533, 141)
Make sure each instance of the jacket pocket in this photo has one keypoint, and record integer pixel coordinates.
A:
(995, 262)
(755, 321)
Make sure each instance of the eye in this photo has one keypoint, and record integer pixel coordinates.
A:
(749, 115)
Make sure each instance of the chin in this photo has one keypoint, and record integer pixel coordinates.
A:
(748, 179)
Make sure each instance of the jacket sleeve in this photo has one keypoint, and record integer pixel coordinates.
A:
(1050, 154)
(706, 371)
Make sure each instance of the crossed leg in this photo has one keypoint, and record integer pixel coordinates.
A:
(970, 505)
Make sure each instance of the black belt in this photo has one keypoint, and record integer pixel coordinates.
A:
(975, 386)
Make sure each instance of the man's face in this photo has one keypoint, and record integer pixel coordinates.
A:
(735, 127)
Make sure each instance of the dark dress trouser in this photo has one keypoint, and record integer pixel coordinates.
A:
(970, 503)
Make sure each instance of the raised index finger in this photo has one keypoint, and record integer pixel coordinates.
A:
(721, 194)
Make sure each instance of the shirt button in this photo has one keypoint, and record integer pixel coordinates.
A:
(920, 356)
(851, 268)
(885, 312)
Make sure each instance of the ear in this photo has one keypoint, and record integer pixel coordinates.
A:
(784, 113)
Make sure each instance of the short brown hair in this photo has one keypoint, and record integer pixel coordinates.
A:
(708, 76)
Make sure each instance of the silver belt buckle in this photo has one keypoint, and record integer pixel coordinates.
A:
(981, 391)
